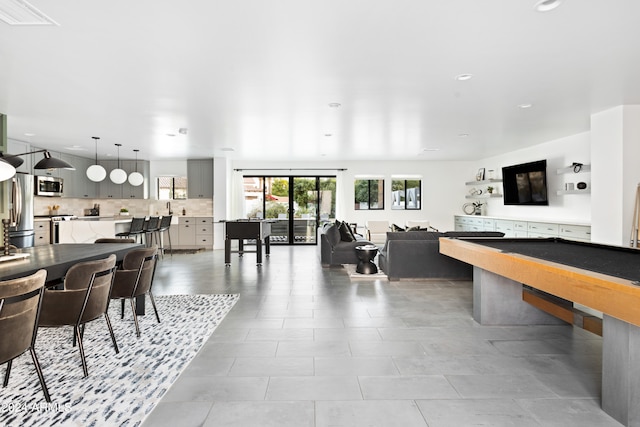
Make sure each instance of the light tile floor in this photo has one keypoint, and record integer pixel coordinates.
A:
(306, 346)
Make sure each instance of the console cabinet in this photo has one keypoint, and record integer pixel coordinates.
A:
(519, 228)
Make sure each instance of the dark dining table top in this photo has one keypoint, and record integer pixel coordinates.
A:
(57, 258)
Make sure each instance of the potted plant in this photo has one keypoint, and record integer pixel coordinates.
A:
(124, 211)
(490, 189)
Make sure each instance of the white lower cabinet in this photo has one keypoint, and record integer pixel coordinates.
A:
(518, 228)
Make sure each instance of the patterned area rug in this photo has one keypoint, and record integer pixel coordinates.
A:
(121, 389)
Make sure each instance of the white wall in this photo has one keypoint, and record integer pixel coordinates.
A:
(559, 153)
(616, 146)
(442, 186)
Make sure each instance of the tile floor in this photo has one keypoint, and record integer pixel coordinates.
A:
(306, 346)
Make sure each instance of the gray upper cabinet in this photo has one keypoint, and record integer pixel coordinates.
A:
(106, 188)
(109, 190)
(200, 178)
(141, 191)
(76, 183)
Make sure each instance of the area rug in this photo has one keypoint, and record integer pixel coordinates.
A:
(121, 389)
(353, 275)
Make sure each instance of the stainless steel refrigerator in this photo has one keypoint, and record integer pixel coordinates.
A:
(20, 193)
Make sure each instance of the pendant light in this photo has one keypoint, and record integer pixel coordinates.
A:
(96, 172)
(136, 178)
(7, 171)
(118, 176)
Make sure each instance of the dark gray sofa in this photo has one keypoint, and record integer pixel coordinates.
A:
(334, 251)
(416, 255)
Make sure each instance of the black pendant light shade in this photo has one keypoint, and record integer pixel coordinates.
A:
(14, 161)
(52, 163)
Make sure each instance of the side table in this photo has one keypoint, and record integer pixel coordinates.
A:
(366, 254)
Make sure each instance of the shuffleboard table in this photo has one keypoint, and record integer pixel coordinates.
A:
(603, 278)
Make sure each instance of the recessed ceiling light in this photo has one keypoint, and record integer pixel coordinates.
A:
(76, 148)
(546, 5)
(226, 149)
(334, 104)
(183, 131)
(464, 77)
(525, 106)
(431, 149)
(463, 135)
(171, 134)
(29, 134)
(328, 134)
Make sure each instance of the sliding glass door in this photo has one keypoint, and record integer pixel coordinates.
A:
(296, 205)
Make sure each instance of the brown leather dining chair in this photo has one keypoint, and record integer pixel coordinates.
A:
(84, 298)
(20, 302)
(135, 279)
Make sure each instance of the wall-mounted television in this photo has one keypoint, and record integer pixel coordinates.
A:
(525, 184)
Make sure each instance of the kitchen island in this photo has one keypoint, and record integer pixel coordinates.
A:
(88, 229)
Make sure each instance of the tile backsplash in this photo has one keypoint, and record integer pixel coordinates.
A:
(136, 207)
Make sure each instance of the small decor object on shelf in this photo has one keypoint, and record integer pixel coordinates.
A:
(480, 175)
(124, 211)
(475, 192)
(490, 189)
(472, 208)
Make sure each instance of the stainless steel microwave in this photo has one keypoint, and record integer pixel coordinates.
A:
(48, 186)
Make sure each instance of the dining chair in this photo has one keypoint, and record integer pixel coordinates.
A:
(84, 298)
(20, 303)
(112, 240)
(136, 229)
(135, 279)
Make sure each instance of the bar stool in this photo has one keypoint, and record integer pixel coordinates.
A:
(165, 224)
(135, 229)
(150, 228)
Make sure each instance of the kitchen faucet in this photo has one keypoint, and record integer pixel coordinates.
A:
(169, 207)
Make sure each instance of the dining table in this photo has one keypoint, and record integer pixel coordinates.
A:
(57, 258)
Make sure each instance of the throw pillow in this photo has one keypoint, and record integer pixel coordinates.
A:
(353, 233)
(395, 227)
(345, 233)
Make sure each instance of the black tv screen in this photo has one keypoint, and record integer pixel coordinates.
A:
(525, 184)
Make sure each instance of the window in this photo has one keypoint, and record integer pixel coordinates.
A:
(369, 194)
(170, 187)
(406, 193)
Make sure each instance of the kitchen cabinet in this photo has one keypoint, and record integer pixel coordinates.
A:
(109, 190)
(192, 233)
(106, 188)
(200, 178)
(42, 232)
(76, 183)
(141, 191)
(204, 232)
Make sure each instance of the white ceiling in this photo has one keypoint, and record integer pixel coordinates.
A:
(258, 75)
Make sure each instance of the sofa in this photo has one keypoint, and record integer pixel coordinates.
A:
(416, 255)
(336, 248)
